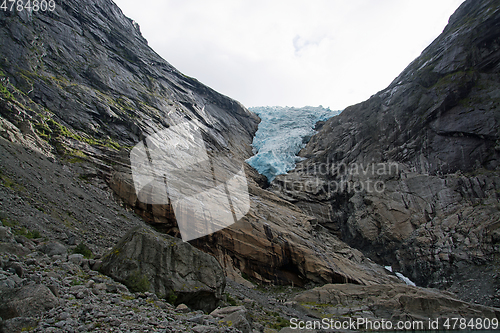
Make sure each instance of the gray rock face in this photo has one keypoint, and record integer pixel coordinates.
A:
(167, 267)
(410, 176)
(96, 74)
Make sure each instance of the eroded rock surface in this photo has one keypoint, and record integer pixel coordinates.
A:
(26, 301)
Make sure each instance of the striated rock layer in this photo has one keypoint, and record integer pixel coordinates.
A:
(410, 176)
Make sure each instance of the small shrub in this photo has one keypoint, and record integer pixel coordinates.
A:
(231, 301)
(171, 297)
(30, 234)
(137, 282)
(281, 323)
(5, 93)
(83, 249)
(76, 282)
(33, 234)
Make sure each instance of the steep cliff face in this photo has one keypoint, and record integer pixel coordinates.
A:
(81, 85)
(90, 67)
(410, 176)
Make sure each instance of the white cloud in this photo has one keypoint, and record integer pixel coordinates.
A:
(291, 52)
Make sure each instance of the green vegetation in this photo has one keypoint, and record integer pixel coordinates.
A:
(9, 183)
(127, 297)
(83, 249)
(459, 78)
(314, 305)
(231, 301)
(7, 222)
(5, 93)
(137, 282)
(76, 282)
(30, 234)
(171, 297)
(49, 129)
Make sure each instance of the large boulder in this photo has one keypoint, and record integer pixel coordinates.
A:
(146, 260)
(27, 301)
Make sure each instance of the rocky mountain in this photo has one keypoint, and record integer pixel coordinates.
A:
(82, 83)
(80, 87)
(411, 176)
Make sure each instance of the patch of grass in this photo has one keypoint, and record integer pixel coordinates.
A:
(83, 249)
(76, 282)
(48, 129)
(137, 282)
(7, 222)
(127, 297)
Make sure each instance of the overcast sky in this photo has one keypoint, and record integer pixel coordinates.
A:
(333, 53)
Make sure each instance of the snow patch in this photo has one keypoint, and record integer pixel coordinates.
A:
(406, 280)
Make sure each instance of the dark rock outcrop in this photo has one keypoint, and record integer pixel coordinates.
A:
(166, 266)
(410, 176)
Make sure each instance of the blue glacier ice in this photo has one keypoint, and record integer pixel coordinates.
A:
(282, 133)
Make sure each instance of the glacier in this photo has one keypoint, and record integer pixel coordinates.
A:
(282, 133)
